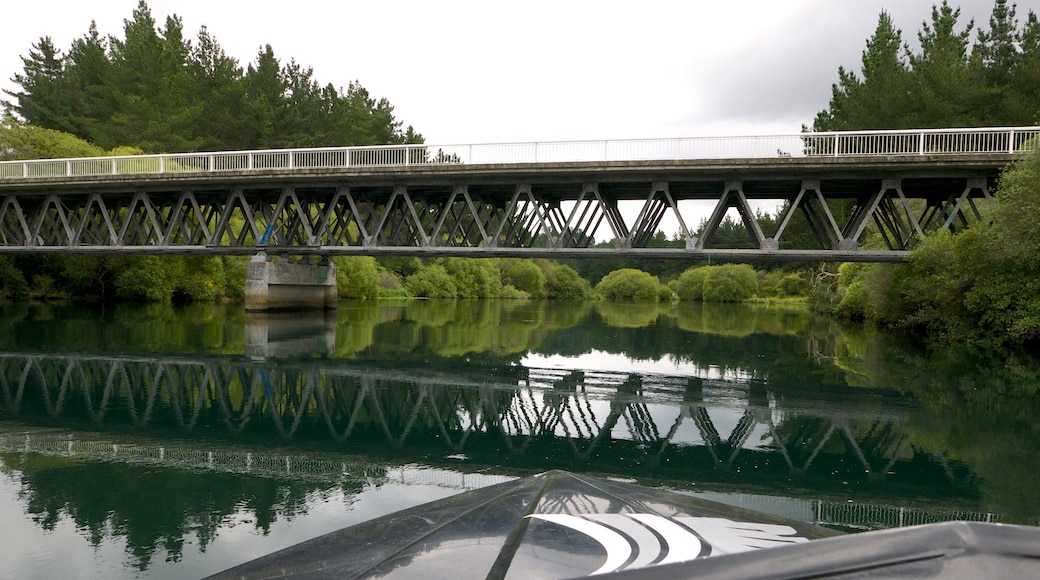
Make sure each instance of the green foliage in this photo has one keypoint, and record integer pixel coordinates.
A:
(563, 282)
(509, 292)
(201, 278)
(431, 282)
(523, 275)
(234, 283)
(357, 277)
(20, 141)
(473, 277)
(792, 285)
(730, 283)
(865, 291)
(689, 286)
(12, 282)
(948, 82)
(154, 89)
(147, 279)
(629, 284)
(980, 286)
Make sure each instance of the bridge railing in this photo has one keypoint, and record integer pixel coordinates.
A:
(992, 140)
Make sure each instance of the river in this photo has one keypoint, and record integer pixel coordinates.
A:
(169, 442)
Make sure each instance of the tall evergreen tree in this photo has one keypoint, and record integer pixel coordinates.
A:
(220, 111)
(881, 99)
(41, 100)
(1024, 104)
(87, 70)
(945, 86)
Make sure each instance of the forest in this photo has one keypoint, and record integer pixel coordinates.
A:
(153, 90)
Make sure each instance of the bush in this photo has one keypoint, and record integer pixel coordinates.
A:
(629, 284)
(146, 278)
(511, 293)
(357, 277)
(689, 286)
(235, 277)
(730, 283)
(12, 282)
(792, 285)
(564, 283)
(523, 275)
(201, 279)
(473, 277)
(432, 281)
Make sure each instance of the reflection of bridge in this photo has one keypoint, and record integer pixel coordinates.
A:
(672, 426)
(510, 200)
(333, 469)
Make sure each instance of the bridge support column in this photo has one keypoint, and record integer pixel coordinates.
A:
(285, 285)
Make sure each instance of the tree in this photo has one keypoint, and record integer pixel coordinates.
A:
(881, 99)
(220, 101)
(947, 95)
(41, 100)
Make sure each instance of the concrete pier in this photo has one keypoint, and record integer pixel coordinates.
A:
(288, 285)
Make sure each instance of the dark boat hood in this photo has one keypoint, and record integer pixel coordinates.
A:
(553, 525)
(562, 525)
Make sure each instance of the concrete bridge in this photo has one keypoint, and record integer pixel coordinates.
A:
(524, 200)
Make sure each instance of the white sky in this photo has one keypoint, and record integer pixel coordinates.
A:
(484, 71)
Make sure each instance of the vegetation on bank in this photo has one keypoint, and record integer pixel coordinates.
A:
(128, 95)
(980, 285)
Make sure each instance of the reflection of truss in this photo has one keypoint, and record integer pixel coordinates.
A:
(584, 414)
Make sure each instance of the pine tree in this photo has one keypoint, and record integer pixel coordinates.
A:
(41, 101)
(945, 87)
(881, 99)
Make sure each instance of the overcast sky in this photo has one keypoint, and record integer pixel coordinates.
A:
(532, 70)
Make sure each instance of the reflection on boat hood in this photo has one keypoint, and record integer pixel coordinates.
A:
(562, 525)
(552, 525)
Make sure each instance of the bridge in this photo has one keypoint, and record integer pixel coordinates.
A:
(525, 199)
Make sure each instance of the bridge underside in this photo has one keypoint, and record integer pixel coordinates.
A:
(462, 215)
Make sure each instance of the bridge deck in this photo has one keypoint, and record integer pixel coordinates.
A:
(550, 200)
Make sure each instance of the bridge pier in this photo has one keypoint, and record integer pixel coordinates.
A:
(287, 285)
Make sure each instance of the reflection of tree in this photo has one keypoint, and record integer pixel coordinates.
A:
(154, 510)
(981, 410)
(630, 314)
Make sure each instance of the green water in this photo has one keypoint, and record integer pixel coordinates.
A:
(176, 442)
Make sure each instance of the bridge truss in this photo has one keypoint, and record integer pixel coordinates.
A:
(404, 200)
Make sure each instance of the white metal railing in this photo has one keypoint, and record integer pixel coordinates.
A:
(990, 140)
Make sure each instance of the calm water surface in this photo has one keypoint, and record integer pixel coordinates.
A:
(177, 442)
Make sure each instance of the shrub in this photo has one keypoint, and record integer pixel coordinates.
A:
(201, 279)
(564, 283)
(792, 285)
(511, 293)
(12, 282)
(357, 277)
(730, 283)
(473, 277)
(146, 278)
(629, 284)
(523, 275)
(689, 286)
(432, 281)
